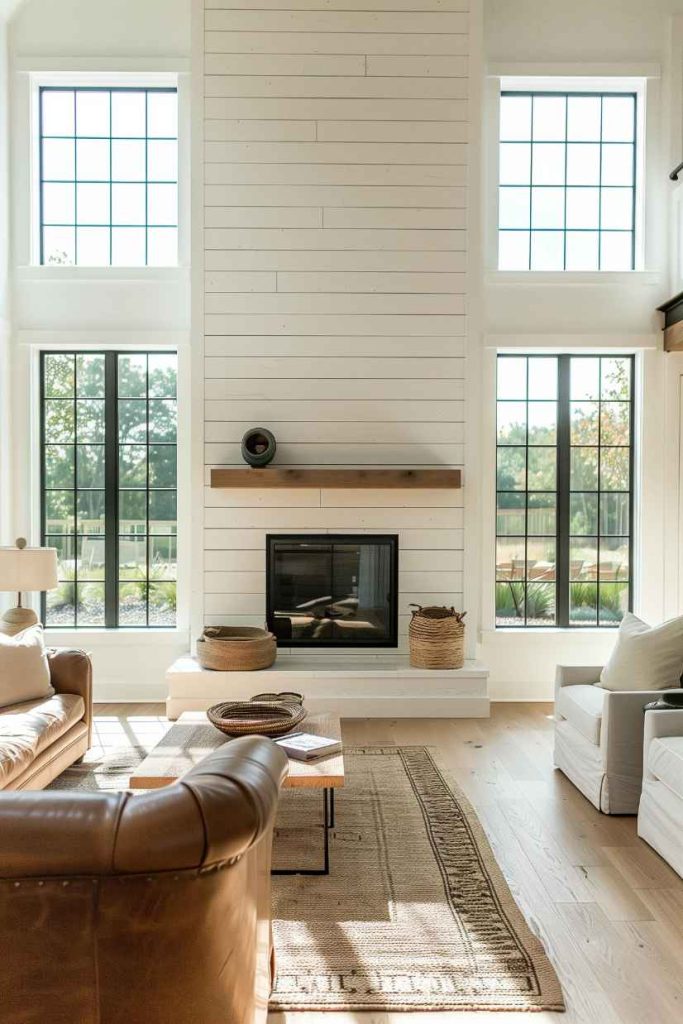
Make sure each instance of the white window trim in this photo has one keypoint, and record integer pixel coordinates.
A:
(27, 478)
(30, 75)
(641, 79)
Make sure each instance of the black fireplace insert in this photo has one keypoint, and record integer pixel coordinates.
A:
(332, 590)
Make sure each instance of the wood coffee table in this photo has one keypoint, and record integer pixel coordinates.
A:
(193, 737)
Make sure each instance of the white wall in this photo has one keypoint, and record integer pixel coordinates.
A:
(78, 306)
(560, 312)
(336, 276)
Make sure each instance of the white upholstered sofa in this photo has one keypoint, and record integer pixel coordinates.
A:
(599, 738)
(660, 815)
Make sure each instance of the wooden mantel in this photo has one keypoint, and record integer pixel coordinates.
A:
(244, 476)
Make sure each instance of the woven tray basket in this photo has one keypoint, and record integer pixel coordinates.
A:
(437, 638)
(256, 718)
(236, 648)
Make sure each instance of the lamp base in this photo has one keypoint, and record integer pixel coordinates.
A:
(16, 620)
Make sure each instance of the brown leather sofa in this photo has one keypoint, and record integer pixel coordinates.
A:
(148, 909)
(40, 738)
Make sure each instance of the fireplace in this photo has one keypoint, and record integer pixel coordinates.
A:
(328, 590)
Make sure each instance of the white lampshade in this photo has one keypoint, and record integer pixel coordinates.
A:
(24, 570)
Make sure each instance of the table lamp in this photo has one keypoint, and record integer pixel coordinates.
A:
(24, 569)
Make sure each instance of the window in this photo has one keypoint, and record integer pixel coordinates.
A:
(567, 184)
(108, 177)
(564, 490)
(109, 487)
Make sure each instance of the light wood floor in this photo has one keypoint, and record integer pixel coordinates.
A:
(608, 909)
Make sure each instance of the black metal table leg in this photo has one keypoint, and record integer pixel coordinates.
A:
(331, 798)
(328, 823)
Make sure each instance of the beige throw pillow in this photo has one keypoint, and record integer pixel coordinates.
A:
(24, 670)
(645, 657)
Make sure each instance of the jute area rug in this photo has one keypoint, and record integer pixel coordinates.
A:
(415, 913)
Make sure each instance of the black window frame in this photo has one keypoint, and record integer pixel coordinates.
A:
(110, 181)
(563, 491)
(568, 94)
(111, 445)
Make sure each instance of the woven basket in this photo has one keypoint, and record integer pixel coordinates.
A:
(236, 648)
(437, 638)
(256, 718)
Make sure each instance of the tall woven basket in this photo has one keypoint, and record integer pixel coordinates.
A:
(437, 638)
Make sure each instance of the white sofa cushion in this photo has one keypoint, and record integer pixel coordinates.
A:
(665, 762)
(645, 657)
(582, 706)
(24, 669)
(28, 729)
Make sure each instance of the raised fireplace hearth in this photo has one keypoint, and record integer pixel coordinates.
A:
(332, 590)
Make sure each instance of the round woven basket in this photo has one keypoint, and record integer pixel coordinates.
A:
(254, 718)
(236, 648)
(437, 638)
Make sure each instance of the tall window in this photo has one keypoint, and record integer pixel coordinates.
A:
(109, 177)
(109, 487)
(565, 490)
(567, 181)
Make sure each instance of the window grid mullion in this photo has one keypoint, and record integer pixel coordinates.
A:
(563, 489)
(111, 517)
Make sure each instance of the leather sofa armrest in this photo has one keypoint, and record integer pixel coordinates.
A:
(71, 672)
(257, 768)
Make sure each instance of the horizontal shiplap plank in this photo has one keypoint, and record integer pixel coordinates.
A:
(335, 282)
(337, 43)
(364, 282)
(221, 81)
(383, 498)
(262, 217)
(330, 303)
(336, 21)
(289, 109)
(297, 497)
(367, 411)
(334, 389)
(335, 152)
(335, 174)
(260, 131)
(411, 239)
(336, 325)
(316, 519)
(242, 282)
(232, 195)
(350, 131)
(365, 369)
(335, 261)
(409, 539)
(389, 217)
(329, 431)
(284, 64)
(331, 347)
(416, 65)
(347, 455)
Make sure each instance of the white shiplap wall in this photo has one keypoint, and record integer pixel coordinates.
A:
(335, 166)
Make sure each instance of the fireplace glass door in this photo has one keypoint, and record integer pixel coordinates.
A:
(332, 591)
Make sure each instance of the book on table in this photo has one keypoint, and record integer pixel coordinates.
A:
(305, 746)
